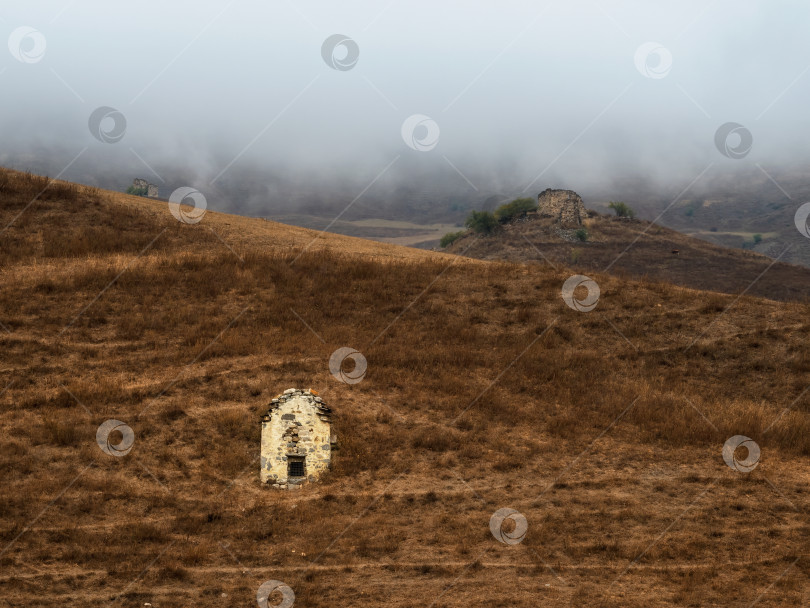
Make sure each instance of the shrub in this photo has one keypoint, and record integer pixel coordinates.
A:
(621, 209)
(516, 208)
(756, 239)
(137, 191)
(481, 222)
(451, 237)
(582, 234)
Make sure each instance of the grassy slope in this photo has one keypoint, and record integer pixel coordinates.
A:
(594, 429)
(410, 234)
(698, 264)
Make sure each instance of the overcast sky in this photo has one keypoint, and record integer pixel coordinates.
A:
(514, 95)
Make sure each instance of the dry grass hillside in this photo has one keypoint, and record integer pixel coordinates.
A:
(484, 391)
(639, 249)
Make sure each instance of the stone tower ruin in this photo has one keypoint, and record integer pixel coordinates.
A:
(565, 206)
(149, 190)
(296, 443)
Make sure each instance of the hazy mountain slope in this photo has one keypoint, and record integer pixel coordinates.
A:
(484, 391)
(729, 209)
(637, 248)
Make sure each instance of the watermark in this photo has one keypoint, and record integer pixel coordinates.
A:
(340, 52)
(182, 213)
(801, 217)
(268, 588)
(733, 140)
(589, 302)
(27, 45)
(420, 133)
(653, 60)
(107, 125)
(751, 460)
(336, 365)
(123, 447)
(508, 526)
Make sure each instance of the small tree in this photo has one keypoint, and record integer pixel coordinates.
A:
(137, 191)
(518, 207)
(757, 239)
(451, 237)
(582, 234)
(621, 209)
(481, 222)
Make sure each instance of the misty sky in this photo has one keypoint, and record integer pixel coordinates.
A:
(525, 95)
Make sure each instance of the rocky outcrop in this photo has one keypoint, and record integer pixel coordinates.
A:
(565, 206)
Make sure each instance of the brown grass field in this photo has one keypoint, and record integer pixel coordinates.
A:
(484, 391)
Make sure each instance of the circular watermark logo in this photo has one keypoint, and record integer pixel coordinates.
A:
(340, 52)
(336, 365)
(269, 588)
(508, 526)
(733, 140)
(653, 60)
(187, 195)
(107, 125)
(751, 460)
(123, 447)
(27, 44)
(801, 217)
(589, 302)
(420, 133)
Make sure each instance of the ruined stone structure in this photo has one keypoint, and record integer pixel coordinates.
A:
(565, 206)
(296, 444)
(142, 185)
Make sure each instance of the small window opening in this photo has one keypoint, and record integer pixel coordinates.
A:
(295, 467)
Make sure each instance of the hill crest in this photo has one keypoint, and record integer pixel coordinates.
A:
(639, 249)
